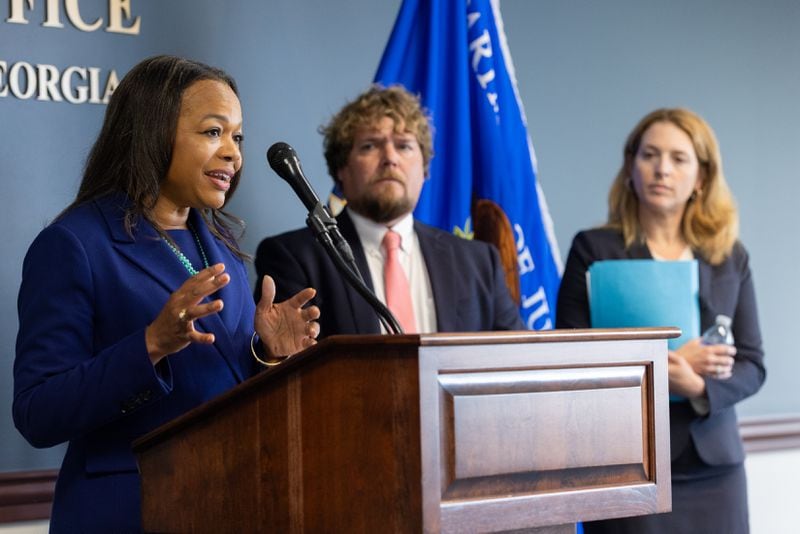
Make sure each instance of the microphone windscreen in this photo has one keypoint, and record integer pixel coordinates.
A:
(278, 152)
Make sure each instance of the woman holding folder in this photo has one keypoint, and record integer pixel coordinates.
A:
(670, 201)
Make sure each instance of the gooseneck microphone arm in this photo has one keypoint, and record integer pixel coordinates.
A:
(283, 159)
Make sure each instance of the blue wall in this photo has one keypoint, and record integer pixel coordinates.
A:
(587, 72)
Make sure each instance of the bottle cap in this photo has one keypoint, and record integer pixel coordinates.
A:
(723, 320)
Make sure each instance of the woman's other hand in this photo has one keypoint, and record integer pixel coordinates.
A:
(286, 327)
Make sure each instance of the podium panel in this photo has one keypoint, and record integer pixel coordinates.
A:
(545, 434)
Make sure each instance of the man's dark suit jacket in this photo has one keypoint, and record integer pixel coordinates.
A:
(724, 289)
(466, 277)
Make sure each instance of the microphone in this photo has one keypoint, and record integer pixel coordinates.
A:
(283, 159)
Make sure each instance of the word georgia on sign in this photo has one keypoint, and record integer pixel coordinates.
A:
(76, 85)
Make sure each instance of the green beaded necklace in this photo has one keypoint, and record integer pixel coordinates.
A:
(183, 259)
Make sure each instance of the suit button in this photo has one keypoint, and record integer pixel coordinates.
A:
(129, 404)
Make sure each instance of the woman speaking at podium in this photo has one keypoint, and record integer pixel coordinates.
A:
(135, 304)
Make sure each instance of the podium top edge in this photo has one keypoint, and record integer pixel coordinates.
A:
(513, 336)
(552, 336)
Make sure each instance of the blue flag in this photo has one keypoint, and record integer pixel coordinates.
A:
(455, 56)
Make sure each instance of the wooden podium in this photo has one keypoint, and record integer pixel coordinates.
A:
(424, 433)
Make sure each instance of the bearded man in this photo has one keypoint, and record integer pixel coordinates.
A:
(378, 150)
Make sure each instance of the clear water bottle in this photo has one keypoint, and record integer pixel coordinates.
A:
(720, 333)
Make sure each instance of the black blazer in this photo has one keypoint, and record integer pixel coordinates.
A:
(724, 289)
(466, 277)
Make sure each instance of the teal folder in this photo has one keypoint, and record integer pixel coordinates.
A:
(631, 293)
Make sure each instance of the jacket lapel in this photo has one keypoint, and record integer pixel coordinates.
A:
(639, 251)
(443, 284)
(364, 317)
(223, 324)
(146, 250)
(706, 305)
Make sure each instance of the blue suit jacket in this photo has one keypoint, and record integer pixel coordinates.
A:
(466, 277)
(724, 289)
(82, 373)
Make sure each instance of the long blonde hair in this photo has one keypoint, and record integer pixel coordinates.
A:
(710, 221)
